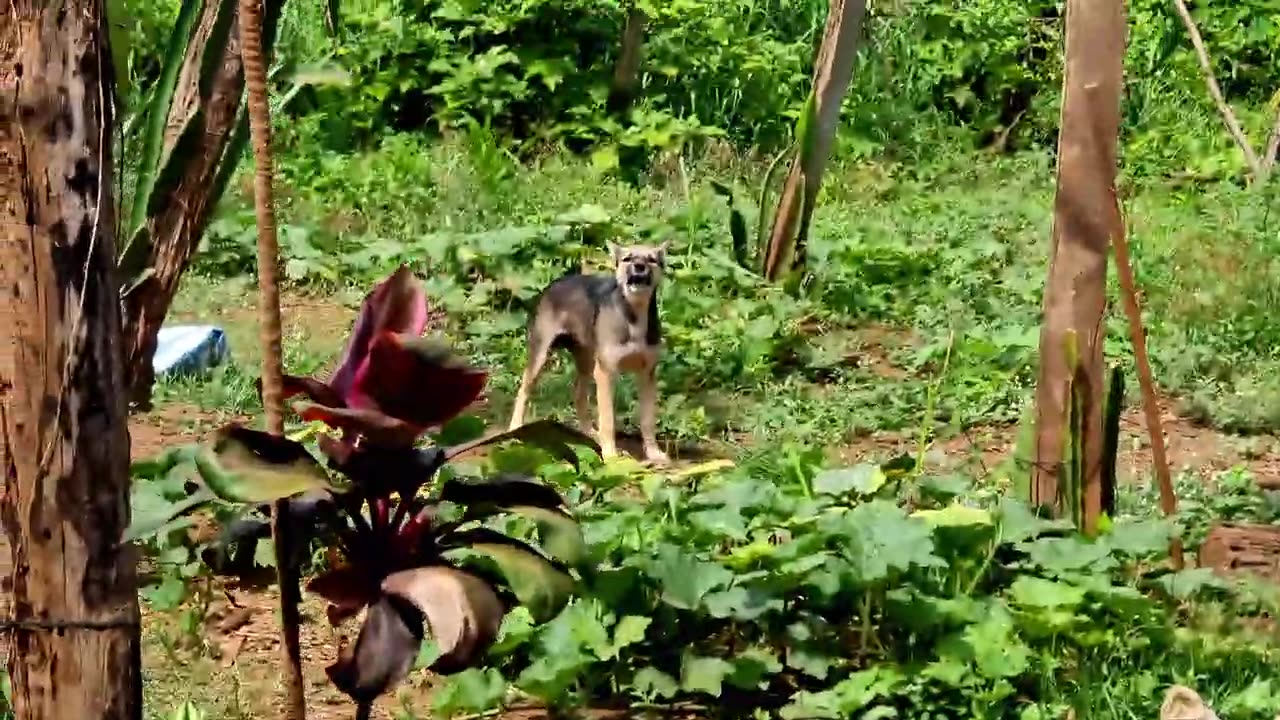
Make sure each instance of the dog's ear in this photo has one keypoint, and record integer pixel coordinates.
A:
(615, 253)
(662, 250)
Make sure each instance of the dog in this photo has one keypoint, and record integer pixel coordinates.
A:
(609, 324)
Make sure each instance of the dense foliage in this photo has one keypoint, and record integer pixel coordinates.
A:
(933, 71)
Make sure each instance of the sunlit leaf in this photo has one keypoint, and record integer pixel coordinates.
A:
(251, 466)
(556, 438)
(153, 515)
(863, 479)
(703, 674)
(1038, 592)
(462, 612)
(954, 515)
(538, 584)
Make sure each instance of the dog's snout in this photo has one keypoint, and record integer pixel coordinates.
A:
(640, 268)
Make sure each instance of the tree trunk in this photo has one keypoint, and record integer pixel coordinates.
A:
(626, 73)
(1086, 219)
(175, 228)
(64, 443)
(832, 73)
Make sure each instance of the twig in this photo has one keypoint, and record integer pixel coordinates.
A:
(1215, 91)
(1150, 404)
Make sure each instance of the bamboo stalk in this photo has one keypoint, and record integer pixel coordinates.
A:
(255, 72)
(1150, 402)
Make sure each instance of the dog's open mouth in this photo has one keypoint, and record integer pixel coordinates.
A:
(635, 280)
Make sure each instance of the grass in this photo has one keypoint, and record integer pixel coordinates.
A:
(911, 266)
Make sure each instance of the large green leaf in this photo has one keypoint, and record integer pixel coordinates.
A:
(250, 466)
(536, 582)
(556, 438)
(154, 515)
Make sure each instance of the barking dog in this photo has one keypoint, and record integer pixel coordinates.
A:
(610, 325)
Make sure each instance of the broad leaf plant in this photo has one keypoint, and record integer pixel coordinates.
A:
(413, 553)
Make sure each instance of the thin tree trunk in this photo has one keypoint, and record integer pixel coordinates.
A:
(1215, 91)
(832, 74)
(1086, 219)
(626, 73)
(64, 442)
(175, 228)
(269, 312)
(1273, 146)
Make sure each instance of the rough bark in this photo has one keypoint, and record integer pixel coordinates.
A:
(177, 227)
(255, 68)
(832, 72)
(1086, 219)
(64, 444)
(626, 73)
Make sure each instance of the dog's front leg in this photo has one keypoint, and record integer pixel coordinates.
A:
(604, 408)
(648, 387)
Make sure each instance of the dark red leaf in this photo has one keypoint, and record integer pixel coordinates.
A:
(397, 304)
(417, 380)
(505, 489)
(384, 652)
(347, 588)
(380, 470)
(375, 426)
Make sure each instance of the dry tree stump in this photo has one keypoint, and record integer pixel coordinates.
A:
(1231, 549)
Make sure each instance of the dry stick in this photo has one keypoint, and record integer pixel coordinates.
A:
(1150, 405)
(1224, 108)
(255, 75)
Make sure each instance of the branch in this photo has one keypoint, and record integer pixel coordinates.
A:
(1224, 108)
(1273, 145)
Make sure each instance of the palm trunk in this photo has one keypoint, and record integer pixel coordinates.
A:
(1086, 220)
(269, 311)
(832, 74)
(64, 442)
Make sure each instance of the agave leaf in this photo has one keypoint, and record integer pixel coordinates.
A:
(417, 380)
(537, 583)
(763, 218)
(158, 112)
(173, 165)
(462, 612)
(374, 425)
(383, 653)
(395, 305)
(505, 490)
(250, 466)
(554, 437)
(156, 516)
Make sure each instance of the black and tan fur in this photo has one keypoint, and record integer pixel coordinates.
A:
(610, 325)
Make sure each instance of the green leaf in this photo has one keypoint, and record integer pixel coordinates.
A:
(703, 674)
(1038, 592)
(517, 629)
(1064, 555)
(1140, 538)
(629, 631)
(187, 711)
(175, 53)
(250, 466)
(653, 684)
(954, 515)
(538, 585)
(685, 580)
(882, 539)
(154, 516)
(561, 536)
(474, 690)
(995, 647)
(1187, 583)
(863, 479)
(556, 438)
(753, 667)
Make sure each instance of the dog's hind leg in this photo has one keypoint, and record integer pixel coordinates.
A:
(539, 349)
(583, 361)
(648, 390)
